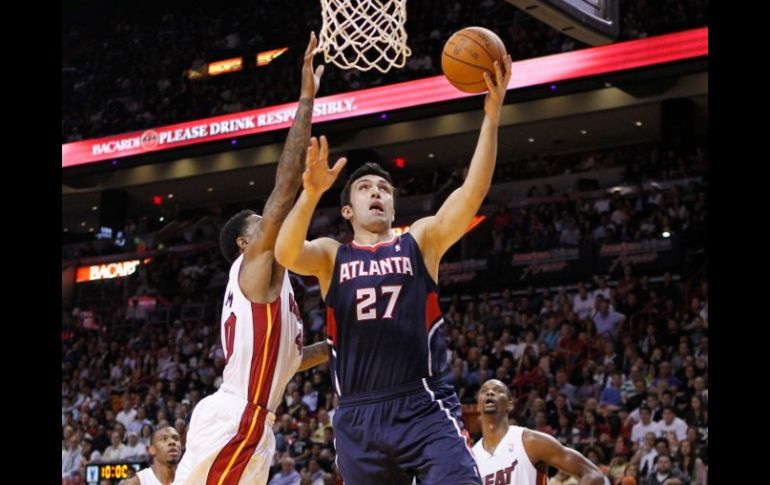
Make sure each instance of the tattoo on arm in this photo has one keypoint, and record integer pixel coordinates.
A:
(288, 178)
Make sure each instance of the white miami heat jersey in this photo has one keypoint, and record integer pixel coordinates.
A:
(262, 343)
(509, 464)
(147, 477)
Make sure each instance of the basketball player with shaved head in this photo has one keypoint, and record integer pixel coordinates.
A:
(511, 455)
(165, 450)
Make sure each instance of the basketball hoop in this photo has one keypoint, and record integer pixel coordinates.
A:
(364, 34)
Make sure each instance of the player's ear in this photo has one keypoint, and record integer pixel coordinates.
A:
(347, 212)
(242, 242)
(510, 405)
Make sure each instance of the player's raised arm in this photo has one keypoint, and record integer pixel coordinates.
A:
(290, 163)
(436, 234)
(291, 249)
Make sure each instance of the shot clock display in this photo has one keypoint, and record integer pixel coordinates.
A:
(112, 472)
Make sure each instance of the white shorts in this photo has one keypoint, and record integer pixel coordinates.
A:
(229, 442)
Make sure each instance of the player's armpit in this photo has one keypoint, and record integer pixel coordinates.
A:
(314, 258)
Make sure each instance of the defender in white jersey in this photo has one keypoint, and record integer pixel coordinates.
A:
(165, 449)
(230, 440)
(509, 455)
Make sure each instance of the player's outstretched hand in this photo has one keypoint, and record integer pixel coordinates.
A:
(318, 177)
(311, 80)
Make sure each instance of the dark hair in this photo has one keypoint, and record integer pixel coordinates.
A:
(231, 231)
(369, 168)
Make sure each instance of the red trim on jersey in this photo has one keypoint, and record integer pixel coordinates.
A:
(432, 310)
(229, 336)
(226, 453)
(331, 325)
(259, 326)
(541, 478)
(259, 312)
(274, 346)
(375, 247)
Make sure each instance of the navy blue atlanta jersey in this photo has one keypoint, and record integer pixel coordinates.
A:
(383, 318)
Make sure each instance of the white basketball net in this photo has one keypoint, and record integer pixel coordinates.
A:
(364, 34)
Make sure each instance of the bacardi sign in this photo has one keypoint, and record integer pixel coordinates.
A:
(106, 271)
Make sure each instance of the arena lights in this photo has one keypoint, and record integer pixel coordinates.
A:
(266, 57)
(223, 67)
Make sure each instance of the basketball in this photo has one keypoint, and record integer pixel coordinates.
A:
(467, 54)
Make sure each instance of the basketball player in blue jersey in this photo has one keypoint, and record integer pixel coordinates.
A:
(398, 418)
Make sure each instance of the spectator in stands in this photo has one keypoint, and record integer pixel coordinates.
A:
(690, 464)
(564, 387)
(146, 435)
(601, 289)
(134, 450)
(114, 452)
(630, 475)
(310, 397)
(666, 473)
(128, 413)
(643, 427)
(71, 459)
(607, 321)
(646, 456)
(611, 394)
(583, 304)
(672, 424)
(550, 336)
(528, 343)
(140, 421)
(300, 449)
(313, 474)
(529, 374)
(664, 374)
(288, 474)
(588, 388)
